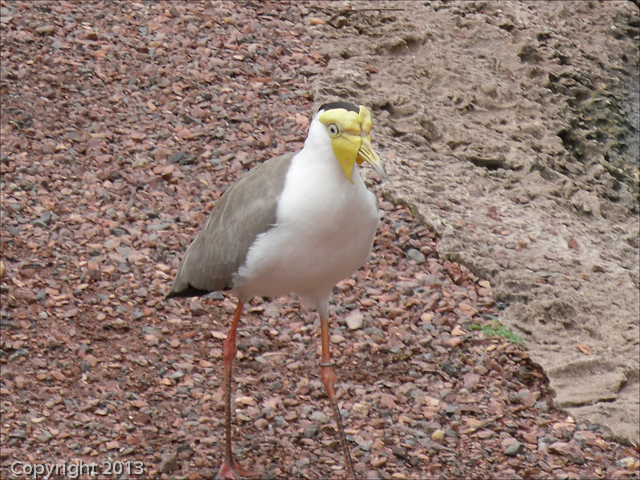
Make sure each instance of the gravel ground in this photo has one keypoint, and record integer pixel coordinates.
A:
(121, 124)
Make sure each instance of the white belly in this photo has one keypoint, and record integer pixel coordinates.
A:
(324, 232)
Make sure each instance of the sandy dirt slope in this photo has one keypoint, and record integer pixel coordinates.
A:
(512, 130)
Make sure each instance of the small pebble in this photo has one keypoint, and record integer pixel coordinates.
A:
(360, 409)
(261, 423)
(513, 449)
(416, 255)
(318, 416)
(400, 452)
(355, 320)
(168, 464)
(311, 431)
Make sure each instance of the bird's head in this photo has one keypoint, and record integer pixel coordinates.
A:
(348, 128)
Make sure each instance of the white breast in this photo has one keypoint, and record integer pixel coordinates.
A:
(324, 232)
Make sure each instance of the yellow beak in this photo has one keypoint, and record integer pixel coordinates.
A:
(352, 149)
(368, 154)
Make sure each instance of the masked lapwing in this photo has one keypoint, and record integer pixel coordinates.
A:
(298, 223)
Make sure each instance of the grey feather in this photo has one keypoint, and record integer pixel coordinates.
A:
(243, 212)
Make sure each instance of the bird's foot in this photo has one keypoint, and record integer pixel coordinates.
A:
(231, 470)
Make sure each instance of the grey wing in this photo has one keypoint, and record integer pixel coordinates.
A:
(245, 211)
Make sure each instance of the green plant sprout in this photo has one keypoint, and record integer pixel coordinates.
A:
(495, 329)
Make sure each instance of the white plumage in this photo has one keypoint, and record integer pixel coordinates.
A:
(324, 229)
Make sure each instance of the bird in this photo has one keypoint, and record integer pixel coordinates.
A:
(297, 224)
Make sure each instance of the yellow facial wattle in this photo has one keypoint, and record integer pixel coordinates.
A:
(350, 139)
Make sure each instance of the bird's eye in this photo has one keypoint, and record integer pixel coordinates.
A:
(333, 129)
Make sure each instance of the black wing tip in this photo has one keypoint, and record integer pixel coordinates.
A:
(187, 292)
(346, 105)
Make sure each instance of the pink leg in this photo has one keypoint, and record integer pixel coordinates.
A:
(230, 468)
(329, 379)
